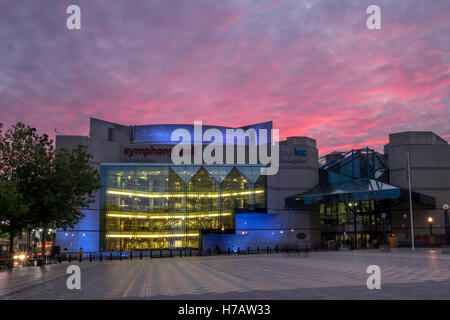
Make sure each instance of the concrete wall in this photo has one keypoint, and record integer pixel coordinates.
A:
(298, 173)
(99, 131)
(430, 175)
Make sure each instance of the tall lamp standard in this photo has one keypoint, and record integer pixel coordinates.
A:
(430, 221)
(383, 230)
(410, 202)
(404, 216)
(447, 228)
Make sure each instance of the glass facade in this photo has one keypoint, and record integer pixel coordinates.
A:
(339, 213)
(167, 207)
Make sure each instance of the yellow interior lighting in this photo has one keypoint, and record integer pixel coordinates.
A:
(181, 195)
(118, 215)
(169, 235)
(190, 216)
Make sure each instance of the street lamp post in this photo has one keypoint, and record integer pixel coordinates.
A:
(383, 230)
(430, 221)
(447, 228)
(410, 202)
(405, 216)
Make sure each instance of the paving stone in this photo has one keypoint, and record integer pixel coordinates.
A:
(424, 274)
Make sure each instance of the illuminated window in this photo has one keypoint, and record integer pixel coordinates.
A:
(161, 207)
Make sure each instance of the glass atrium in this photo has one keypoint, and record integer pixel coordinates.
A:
(147, 207)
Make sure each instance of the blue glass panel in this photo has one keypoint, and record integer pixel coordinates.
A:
(336, 178)
(161, 133)
(185, 172)
(351, 167)
(252, 173)
(219, 173)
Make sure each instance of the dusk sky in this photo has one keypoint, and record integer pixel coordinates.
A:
(312, 67)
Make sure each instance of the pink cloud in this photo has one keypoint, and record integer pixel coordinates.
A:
(315, 70)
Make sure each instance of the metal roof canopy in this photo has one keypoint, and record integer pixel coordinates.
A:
(355, 190)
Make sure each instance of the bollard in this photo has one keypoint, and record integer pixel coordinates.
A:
(248, 250)
(70, 258)
(267, 249)
(229, 251)
(101, 257)
(190, 252)
(120, 258)
(170, 253)
(151, 254)
(239, 250)
(90, 257)
(131, 255)
(140, 255)
(110, 256)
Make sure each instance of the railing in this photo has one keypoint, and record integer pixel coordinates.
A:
(421, 243)
(4, 262)
(173, 253)
(162, 253)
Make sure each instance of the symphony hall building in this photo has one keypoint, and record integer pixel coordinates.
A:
(148, 203)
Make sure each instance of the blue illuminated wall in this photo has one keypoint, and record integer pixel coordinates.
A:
(256, 229)
(85, 234)
(161, 133)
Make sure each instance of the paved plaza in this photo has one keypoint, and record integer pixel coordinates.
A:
(320, 275)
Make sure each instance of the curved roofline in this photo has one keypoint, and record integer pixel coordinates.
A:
(205, 125)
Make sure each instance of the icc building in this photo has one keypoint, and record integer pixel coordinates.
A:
(359, 197)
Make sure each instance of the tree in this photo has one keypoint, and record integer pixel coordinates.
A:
(54, 185)
(24, 155)
(25, 159)
(69, 187)
(13, 212)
